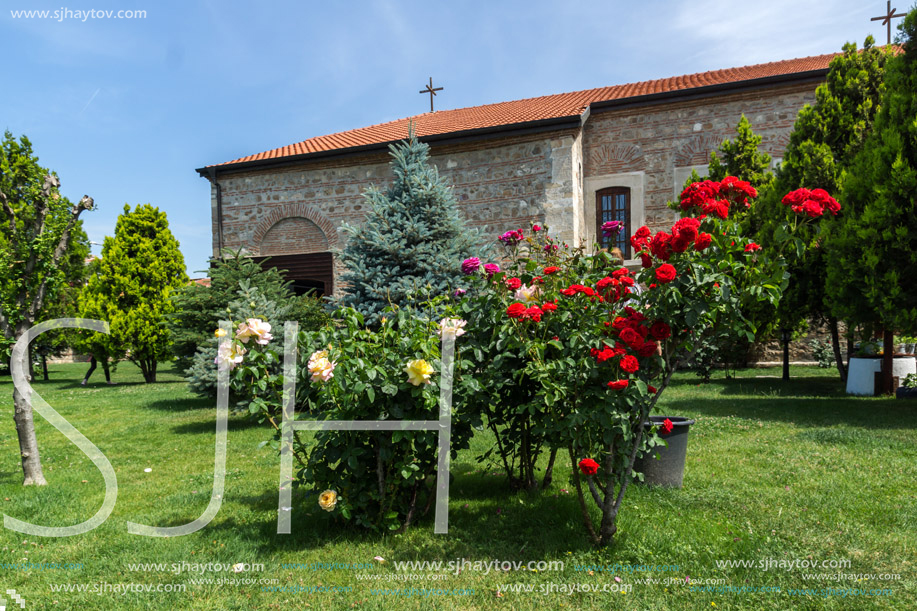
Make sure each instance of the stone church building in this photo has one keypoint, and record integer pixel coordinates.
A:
(569, 161)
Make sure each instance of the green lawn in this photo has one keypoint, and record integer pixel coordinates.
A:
(775, 471)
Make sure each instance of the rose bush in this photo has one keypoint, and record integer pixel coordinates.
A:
(382, 480)
(575, 357)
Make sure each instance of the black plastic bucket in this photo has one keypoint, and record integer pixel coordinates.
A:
(669, 468)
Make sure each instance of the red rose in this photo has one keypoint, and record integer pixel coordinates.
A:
(699, 193)
(687, 228)
(647, 349)
(645, 260)
(630, 337)
(643, 233)
(513, 283)
(548, 307)
(588, 466)
(533, 313)
(752, 247)
(680, 244)
(652, 389)
(718, 208)
(665, 273)
(517, 310)
(827, 202)
(619, 323)
(618, 384)
(738, 191)
(812, 208)
(667, 426)
(550, 270)
(795, 198)
(630, 364)
(660, 331)
(660, 246)
(605, 354)
(703, 241)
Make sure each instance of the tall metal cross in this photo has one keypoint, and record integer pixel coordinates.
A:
(432, 91)
(887, 19)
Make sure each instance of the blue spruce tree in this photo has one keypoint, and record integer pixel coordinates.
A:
(411, 245)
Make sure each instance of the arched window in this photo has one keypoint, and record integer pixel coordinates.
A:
(613, 204)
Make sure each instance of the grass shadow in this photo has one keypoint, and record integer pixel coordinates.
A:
(182, 404)
(494, 524)
(804, 411)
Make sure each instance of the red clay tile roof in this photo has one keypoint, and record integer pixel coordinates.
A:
(558, 106)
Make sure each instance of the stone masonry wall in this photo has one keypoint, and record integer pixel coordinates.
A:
(499, 185)
(657, 139)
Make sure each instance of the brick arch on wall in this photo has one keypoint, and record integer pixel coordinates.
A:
(614, 158)
(697, 150)
(293, 211)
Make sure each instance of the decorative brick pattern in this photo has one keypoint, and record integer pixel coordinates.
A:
(615, 158)
(278, 231)
(294, 235)
(697, 149)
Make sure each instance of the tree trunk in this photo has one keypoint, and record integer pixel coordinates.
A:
(148, 369)
(888, 362)
(549, 471)
(786, 355)
(28, 443)
(836, 344)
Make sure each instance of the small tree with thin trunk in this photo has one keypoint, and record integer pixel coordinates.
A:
(38, 238)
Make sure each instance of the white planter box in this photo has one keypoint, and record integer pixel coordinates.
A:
(861, 377)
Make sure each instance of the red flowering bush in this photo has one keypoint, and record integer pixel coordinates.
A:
(574, 358)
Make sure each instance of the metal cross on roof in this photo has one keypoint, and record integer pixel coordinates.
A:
(887, 19)
(432, 91)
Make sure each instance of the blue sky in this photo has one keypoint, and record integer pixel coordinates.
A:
(126, 109)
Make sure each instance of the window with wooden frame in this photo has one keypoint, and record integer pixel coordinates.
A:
(613, 204)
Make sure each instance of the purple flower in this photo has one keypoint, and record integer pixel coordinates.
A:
(610, 228)
(491, 269)
(470, 266)
(459, 292)
(511, 238)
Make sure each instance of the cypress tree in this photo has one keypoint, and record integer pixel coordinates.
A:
(874, 251)
(823, 144)
(141, 267)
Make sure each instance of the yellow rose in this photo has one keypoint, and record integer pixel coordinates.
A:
(327, 500)
(418, 372)
(220, 333)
